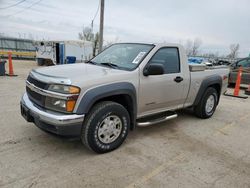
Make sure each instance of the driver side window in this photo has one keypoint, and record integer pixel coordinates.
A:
(169, 58)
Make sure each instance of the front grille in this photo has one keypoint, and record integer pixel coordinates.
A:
(37, 83)
(34, 96)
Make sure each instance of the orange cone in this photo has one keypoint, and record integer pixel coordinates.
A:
(237, 85)
(11, 72)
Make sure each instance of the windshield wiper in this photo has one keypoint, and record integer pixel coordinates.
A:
(91, 62)
(112, 65)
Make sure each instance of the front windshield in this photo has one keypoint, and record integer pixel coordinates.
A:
(123, 56)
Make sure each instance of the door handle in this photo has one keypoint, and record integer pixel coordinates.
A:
(178, 79)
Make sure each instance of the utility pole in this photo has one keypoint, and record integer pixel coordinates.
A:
(101, 26)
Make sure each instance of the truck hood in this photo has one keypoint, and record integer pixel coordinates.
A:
(81, 74)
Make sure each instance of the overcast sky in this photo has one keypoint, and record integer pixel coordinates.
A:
(218, 23)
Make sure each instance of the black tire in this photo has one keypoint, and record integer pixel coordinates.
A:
(200, 110)
(94, 122)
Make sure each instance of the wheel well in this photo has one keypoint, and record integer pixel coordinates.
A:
(214, 81)
(126, 101)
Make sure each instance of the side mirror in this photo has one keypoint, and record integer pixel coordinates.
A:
(153, 69)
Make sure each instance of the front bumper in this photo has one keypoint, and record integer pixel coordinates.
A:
(58, 123)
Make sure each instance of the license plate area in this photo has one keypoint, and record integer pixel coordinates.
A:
(26, 113)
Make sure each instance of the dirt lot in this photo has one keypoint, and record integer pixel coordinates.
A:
(184, 152)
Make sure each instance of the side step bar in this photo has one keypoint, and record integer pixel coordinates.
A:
(154, 119)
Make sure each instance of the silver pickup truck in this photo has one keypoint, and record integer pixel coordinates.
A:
(126, 85)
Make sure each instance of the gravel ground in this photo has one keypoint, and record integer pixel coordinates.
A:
(184, 152)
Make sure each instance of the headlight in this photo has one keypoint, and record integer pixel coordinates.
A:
(64, 89)
(62, 105)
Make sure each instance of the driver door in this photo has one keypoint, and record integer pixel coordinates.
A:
(162, 92)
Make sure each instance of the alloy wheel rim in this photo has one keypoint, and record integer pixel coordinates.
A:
(210, 104)
(110, 129)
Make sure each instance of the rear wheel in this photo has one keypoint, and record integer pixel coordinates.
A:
(207, 105)
(105, 127)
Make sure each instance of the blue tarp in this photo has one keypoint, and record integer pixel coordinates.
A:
(195, 60)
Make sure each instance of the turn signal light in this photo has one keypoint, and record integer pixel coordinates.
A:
(70, 106)
(74, 90)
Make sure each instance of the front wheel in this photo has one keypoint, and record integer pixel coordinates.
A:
(105, 127)
(207, 105)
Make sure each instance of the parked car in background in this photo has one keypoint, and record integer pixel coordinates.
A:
(222, 62)
(234, 68)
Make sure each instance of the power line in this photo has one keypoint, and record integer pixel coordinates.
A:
(26, 8)
(13, 5)
(92, 21)
(96, 12)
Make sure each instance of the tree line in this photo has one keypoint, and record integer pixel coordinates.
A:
(192, 48)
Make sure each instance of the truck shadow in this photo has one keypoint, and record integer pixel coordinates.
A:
(61, 144)
(168, 128)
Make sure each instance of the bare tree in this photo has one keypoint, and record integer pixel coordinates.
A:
(234, 50)
(196, 45)
(110, 42)
(95, 44)
(188, 47)
(87, 35)
(192, 47)
(211, 54)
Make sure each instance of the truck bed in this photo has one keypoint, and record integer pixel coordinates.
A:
(198, 73)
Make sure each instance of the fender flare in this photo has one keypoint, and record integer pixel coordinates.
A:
(100, 92)
(207, 82)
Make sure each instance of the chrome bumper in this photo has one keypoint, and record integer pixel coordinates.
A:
(50, 117)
